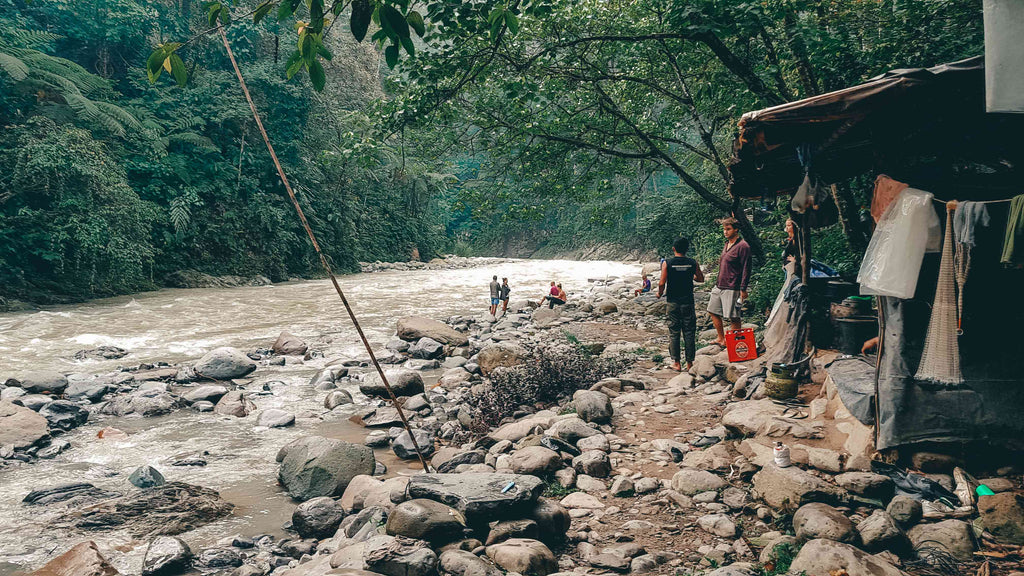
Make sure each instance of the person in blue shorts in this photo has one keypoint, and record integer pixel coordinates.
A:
(495, 295)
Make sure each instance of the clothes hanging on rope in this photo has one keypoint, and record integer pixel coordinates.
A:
(966, 218)
(940, 361)
(1013, 241)
(886, 190)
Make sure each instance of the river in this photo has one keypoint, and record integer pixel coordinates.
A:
(178, 325)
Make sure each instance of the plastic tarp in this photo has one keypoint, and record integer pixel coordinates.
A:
(908, 228)
(854, 377)
(989, 403)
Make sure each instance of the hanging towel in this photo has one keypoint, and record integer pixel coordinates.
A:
(1013, 243)
(886, 190)
(967, 217)
(941, 359)
(908, 229)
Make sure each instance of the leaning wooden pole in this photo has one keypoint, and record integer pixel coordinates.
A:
(319, 253)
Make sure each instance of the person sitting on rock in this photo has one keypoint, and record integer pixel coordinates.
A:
(645, 286)
(558, 296)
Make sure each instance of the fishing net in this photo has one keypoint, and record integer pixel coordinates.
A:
(941, 359)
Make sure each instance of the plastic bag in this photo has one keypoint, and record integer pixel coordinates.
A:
(908, 228)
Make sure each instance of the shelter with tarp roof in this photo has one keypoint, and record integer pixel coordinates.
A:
(951, 348)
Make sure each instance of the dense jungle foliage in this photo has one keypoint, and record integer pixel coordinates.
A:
(480, 126)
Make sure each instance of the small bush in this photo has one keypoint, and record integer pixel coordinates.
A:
(548, 375)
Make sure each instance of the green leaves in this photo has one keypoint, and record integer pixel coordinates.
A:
(262, 10)
(317, 75)
(361, 16)
(164, 58)
(415, 21)
(391, 55)
(217, 11)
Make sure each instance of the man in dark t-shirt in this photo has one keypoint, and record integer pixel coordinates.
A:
(677, 276)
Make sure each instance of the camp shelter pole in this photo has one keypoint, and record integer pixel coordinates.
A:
(316, 246)
(805, 249)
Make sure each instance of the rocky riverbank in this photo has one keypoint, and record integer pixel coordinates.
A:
(558, 442)
(449, 262)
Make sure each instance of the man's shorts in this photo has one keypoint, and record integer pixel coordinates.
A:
(495, 301)
(724, 303)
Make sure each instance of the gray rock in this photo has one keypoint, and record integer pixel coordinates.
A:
(203, 406)
(424, 519)
(690, 481)
(377, 439)
(507, 529)
(166, 555)
(867, 484)
(11, 393)
(462, 563)
(142, 402)
(953, 536)
(736, 569)
(234, 403)
(146, 477)
(83, 559)
(523, 556)
(218, 558)
(33, 402)
(824, 557)
(224, 364)
(90, 391)
(403, 383)
(622, 486)
(337, 398)
(596, 442)
(399, 557)
(397, 345)
(208, 393)
(403, 447)
(317, 517)
(21, 427)
(717, 524)
(500, 355)
(735, 498)
(592, 406)
(593, 463)
(315, 466)
(819, 520)
(64, 414)
(289, 344)
(790, 487)
(40, 382)
(426, 349)
(479, 496)
(906, 511)
(416, 327)
(646, 485)
(274, 418)
(535, 460)
(1003, 516)
(880, 532)
(552, 520)
(571, 430)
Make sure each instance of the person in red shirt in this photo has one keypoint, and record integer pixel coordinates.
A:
(730, 291)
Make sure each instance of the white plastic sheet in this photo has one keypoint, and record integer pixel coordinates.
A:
(908, 228)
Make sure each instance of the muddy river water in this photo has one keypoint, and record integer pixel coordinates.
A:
(180, 325)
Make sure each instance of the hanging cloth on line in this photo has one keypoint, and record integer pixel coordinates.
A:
(1013, 242)
(892, 261)
(941, 359)
(966, 219)
(886, 190)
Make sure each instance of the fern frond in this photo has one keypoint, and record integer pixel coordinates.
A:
(193, 139)
(13, 66)
(86, 81)
(123, 117)
(55, 81)
(180, 214)
(88, 110)
(27, 38)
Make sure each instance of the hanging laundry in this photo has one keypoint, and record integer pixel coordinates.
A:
(941, 359)
(908, 228)
(886, 190)
(1013, 242)
(967, 217)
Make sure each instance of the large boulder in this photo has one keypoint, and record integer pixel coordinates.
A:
(275, 418)
(318, 517)
(500, 354)
(523, 556)
(83, 559)
(403, 383)
(819, 520)
(315, 466)
(880, 532)
(571, 430)
(789, 488)
(209, 393)
(21, 427)
(592, 406)
(367, 492)
(952, 536)
(404, 448)
(535, 460)
(400, 557)
(166, 555)
(169, 509)
(481, 497)
(690, 481)
(593, 463)
(144, 402)
(552, 520)
(426, 349)
(1003, 516)
(64, 414)
(424, 519)
(88, 390)
(146, 477)
(42, 382)
(827, 557)
(224, 364)
(415, 327)
(289, 344)
(867, 484)
(234, 403)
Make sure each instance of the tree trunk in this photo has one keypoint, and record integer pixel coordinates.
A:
(849, 217)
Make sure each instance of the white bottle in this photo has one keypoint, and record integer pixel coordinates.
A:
(782, 455)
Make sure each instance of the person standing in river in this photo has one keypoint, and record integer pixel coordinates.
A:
(730, 290)
(503, 295)
(676, 284)
(495, 295)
